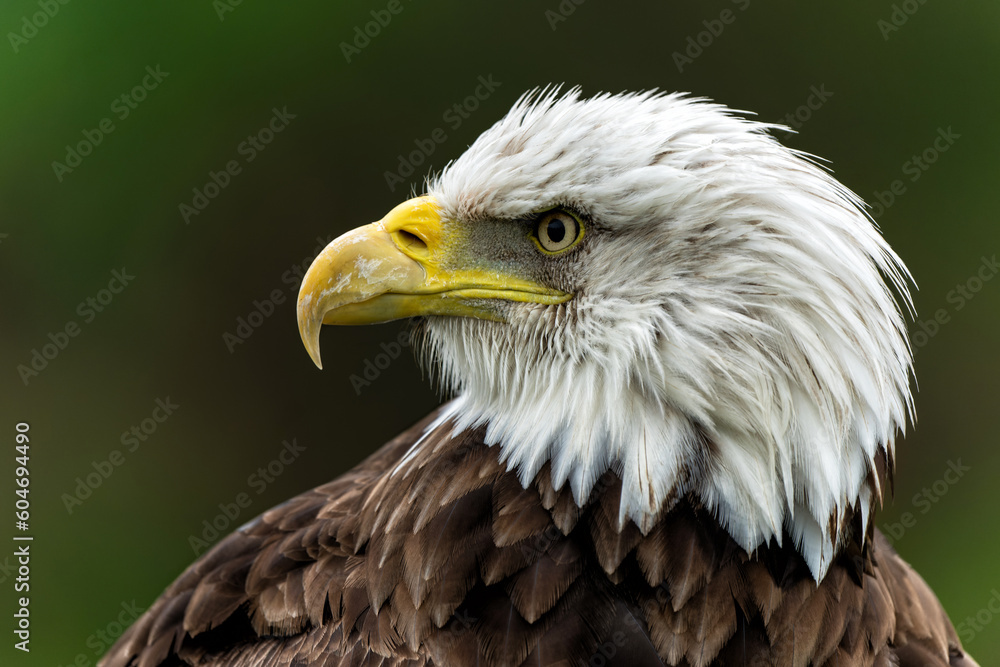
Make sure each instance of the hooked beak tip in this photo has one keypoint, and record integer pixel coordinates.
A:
(309, 329)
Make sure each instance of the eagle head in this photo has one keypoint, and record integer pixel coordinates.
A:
(649, 284)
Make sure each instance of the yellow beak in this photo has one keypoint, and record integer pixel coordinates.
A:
(402, 266)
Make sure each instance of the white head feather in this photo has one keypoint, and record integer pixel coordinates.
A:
(730, 336)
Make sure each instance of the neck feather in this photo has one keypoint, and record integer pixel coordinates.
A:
(769, 462)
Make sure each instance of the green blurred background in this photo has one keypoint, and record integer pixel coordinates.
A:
(886, 94)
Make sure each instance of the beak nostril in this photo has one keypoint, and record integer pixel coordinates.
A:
(410, 241)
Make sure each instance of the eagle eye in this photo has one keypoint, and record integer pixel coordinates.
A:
(557, 231)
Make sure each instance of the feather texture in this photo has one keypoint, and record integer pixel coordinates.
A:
(451, 588)
(730, 333)
(678, 465)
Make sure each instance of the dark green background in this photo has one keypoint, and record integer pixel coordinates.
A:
(162, 336)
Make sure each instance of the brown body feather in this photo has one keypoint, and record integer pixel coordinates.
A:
(449, 561)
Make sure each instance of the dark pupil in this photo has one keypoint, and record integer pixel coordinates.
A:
(556, 231)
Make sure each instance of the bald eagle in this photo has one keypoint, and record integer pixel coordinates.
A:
(678, 371)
